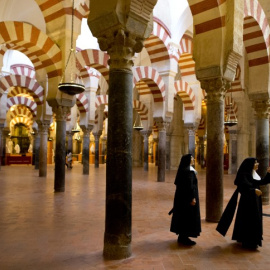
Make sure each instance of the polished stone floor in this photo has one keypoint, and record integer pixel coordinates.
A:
(41, 230)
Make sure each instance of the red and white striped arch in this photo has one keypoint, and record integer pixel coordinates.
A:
(157, 45)
(20, 110)
(186, 63)
(101, 99)
(95, 59)
(22, 69)
(57, 9)
(186, 93)
(231, 107)
(141, 109)
(256, 34)
(82, 103)
(23, 101)
(236, 85)
(18, 91)
(208, 15)
(21, 120)
(152, 79)
(39, 48)
(34, 88)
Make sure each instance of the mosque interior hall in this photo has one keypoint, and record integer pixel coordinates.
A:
(99, 100)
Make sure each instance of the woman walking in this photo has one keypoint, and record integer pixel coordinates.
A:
(186, 220)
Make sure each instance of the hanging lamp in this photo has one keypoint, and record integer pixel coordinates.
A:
(230, 118)
(138, 123)
(70, 83)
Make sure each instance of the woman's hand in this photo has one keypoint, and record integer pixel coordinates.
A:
(258, 192)
(193, 202)
(268, 169)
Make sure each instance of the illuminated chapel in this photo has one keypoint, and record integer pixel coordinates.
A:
(128, 87)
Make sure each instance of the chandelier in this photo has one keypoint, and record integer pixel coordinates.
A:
(70, 83)
(230, 118)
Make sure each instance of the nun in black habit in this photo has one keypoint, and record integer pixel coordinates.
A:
(248, 227)
(186, 220)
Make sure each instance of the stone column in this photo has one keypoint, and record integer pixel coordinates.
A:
(216, 89)
(36, 149)
(97, 136)
(145, 134)
(191, 140)
(85, 150)
(262, 142)
(60, 147)
(43, 127)
(69, 141)
(121, 39)
(232, 152)
(137, 149)
(161, 151)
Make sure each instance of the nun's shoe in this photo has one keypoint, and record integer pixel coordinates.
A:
(185, 241)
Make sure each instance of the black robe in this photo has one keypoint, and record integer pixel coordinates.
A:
(186, 220)
(248, 227)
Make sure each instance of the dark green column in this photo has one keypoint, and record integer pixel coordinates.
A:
(117, 240)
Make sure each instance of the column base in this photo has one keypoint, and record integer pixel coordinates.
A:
(59, 190)
(116, 252)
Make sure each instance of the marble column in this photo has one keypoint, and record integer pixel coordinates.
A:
(97, 136)
(262, 142)
(145, 134)
(161, 151)
(85, 150)
(43, 127)
(216, 89)
(69, 141)
(37, 149)
(232, 152)
(60, 147)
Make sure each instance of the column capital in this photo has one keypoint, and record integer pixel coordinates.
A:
(43, 126)
(97, 133)
(86, 130)
(146, 133)
(215, 88)
(121, 46)
(261, 108)
(61, 112)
